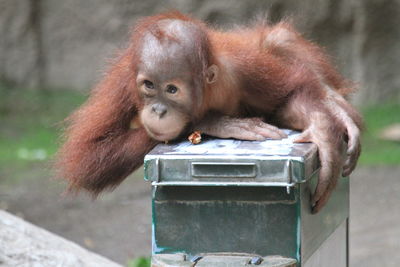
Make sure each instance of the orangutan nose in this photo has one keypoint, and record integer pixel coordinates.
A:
(159, 109)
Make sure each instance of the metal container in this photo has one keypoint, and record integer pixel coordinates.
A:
(230, 196)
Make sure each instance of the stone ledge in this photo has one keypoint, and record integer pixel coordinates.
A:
(24, 244)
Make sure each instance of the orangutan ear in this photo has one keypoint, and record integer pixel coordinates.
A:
(212, 74)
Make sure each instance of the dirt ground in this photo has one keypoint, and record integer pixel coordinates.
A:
(117, 225)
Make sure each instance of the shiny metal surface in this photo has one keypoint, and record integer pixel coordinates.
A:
(221, 260)
(242, 197)
(228, 162)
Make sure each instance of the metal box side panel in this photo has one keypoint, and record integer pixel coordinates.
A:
(261, 220)
(316, 228)
(332, 252)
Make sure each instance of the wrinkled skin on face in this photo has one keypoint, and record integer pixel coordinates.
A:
(165, 114)
(171, 93)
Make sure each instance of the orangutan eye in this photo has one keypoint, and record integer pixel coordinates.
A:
(148, 84)
(172, 89)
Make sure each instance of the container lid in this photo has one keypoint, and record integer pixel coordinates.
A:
(229, 162)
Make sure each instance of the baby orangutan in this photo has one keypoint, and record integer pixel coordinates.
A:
(179, 75)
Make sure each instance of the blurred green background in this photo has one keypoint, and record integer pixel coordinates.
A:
(52, 52)
(32, 123)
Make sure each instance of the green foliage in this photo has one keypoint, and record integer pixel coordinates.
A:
(376, 151)
(31, 122)
(139, 262)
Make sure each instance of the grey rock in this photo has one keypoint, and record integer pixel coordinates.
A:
(74, 40)
(23, 244)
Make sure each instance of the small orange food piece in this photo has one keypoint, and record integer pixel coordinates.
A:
(195, 138)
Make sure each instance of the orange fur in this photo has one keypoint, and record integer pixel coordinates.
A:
(265, 70)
